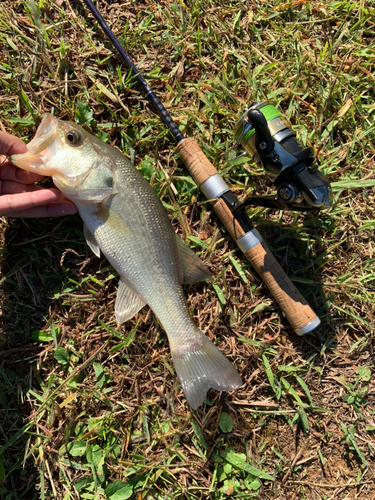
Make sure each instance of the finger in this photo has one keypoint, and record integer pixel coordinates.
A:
(7, 187)
(11, 145)
(14, 203)
(56, 209)
(9, 172)
(10, 187)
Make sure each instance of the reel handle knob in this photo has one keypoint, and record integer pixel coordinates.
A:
(263, 138)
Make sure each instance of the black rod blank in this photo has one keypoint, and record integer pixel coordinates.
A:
(150, 95)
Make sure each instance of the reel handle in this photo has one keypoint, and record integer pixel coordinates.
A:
(298, 312)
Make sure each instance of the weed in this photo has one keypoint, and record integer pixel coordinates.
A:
(89, 410)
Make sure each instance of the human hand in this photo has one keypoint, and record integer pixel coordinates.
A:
(19, 196)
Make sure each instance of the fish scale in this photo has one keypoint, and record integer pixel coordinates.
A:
(125, 220)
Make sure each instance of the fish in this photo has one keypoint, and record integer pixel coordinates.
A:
(125, 220)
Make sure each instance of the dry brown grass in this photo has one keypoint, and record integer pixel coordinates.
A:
(310, 59)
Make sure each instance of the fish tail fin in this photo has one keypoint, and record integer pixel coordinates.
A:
(201, 366)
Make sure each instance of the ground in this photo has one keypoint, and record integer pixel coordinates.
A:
(92, 410)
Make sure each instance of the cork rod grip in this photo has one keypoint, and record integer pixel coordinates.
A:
(300, 315)
(298, 312)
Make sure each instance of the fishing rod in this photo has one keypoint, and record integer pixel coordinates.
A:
(225, 204)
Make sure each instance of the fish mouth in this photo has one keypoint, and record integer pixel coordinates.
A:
(45, 134)
(40, 149)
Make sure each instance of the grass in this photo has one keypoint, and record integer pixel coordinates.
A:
(89, 410)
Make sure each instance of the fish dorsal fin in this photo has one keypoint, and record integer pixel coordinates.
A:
(127, 303)
(193, 268)
(91, 241)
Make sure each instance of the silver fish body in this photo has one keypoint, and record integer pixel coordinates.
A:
(124, 218)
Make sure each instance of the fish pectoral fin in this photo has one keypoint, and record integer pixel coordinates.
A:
(127, 303)
(91, 241)
(114, 221)
(193, 268)
(97, 185)
(200, 366)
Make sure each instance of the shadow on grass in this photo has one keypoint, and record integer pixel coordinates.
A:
(30, 275)
(301, 246)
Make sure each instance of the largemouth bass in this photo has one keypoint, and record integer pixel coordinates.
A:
(124, 218)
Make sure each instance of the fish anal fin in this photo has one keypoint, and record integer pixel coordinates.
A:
(194, 270)
(91, 241)
(127, 303)
(200, 366)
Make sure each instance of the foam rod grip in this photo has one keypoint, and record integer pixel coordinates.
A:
(296, 309)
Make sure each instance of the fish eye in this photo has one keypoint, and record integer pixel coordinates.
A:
(74, 137)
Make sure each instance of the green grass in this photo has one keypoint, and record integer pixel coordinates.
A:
(89, 410)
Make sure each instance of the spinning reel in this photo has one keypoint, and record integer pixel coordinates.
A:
(268, 138)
